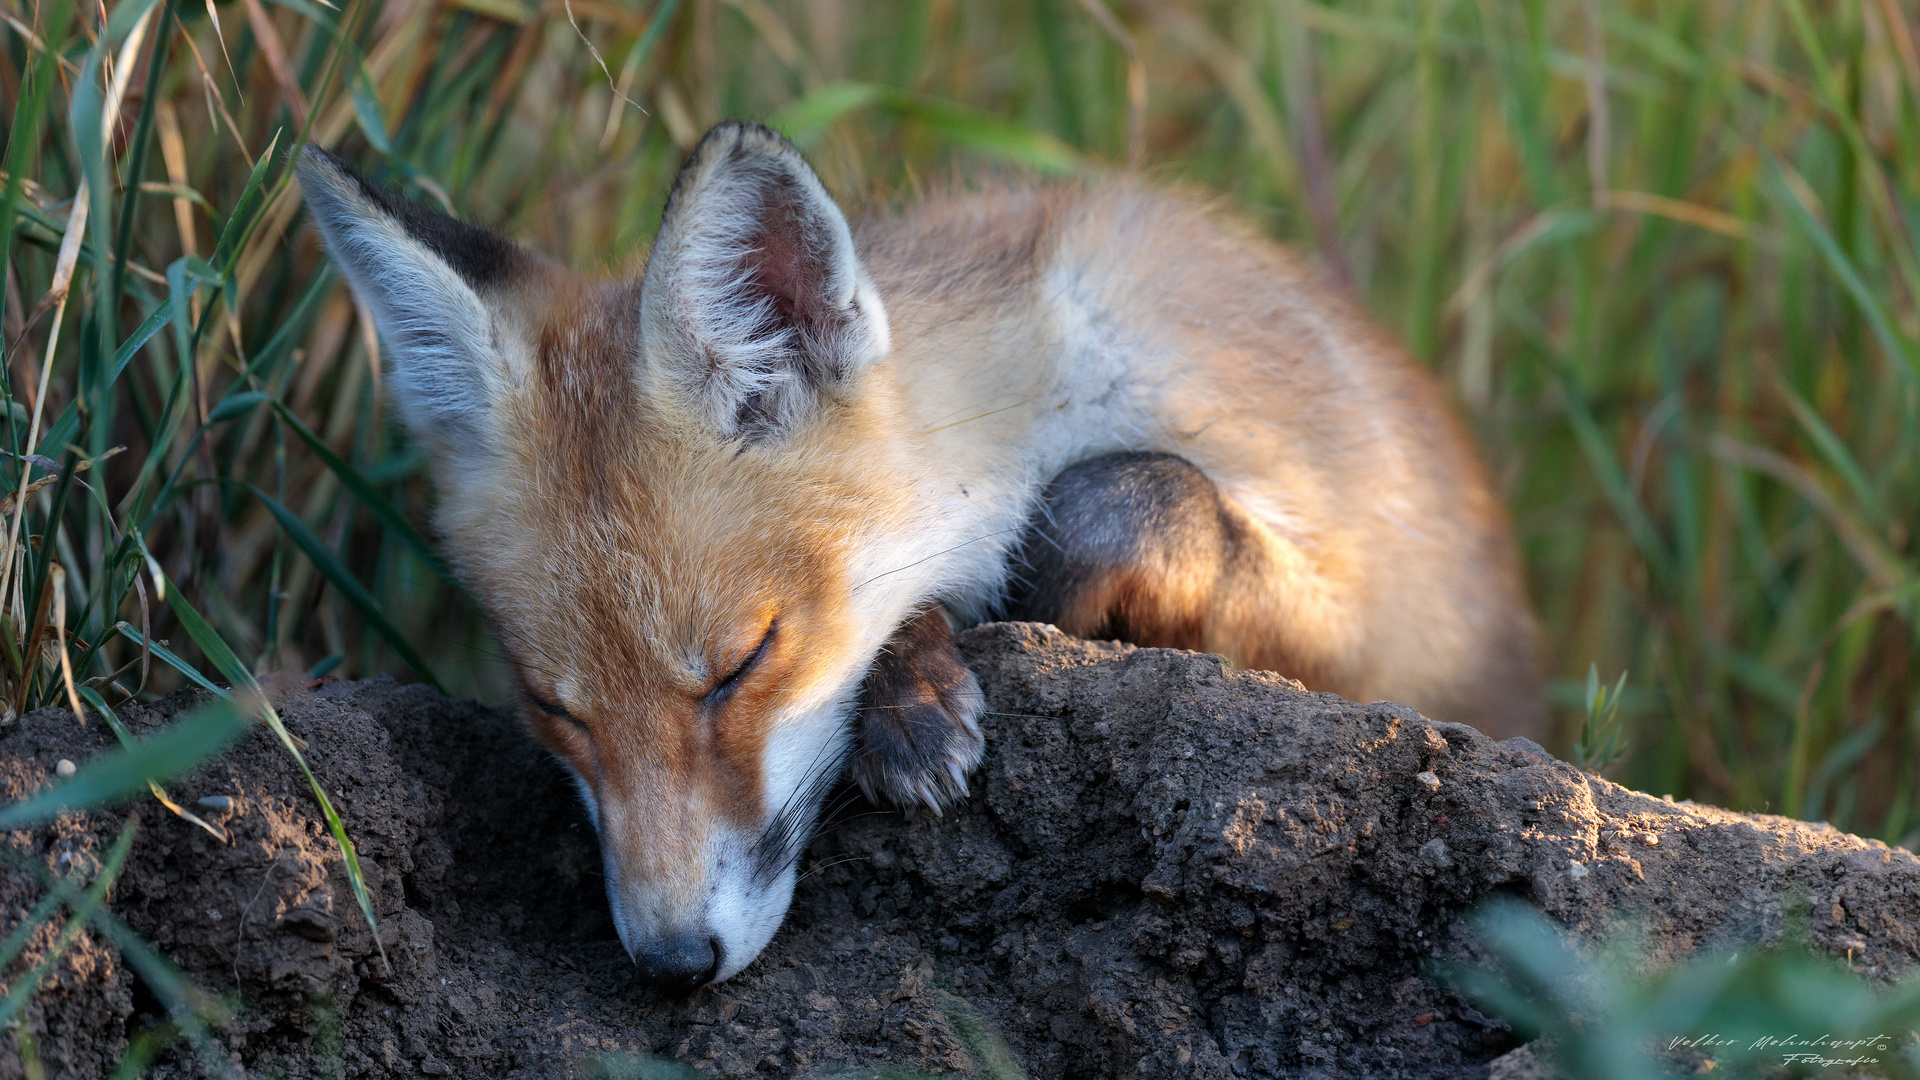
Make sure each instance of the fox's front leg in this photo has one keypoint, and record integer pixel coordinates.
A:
(919, 731)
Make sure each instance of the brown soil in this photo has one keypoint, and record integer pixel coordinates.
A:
(1167, 869)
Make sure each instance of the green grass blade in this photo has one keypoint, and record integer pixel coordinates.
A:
(120, 23)
(84, 117)
(1896, 348)
(1658, 44)
(807, 117)
(171, 659)
(28, 217)
(366, 113)
(1606, 469)
(1834, 451)
(99, 704)
(119, 772)
(209, 640)
(1060, 74)
(975, 130)
(341, 578)
(369, 496)
(1519, 77)
(234, 405)
(1842, 113)
(239, 224)
(657, 25)
(291, 329)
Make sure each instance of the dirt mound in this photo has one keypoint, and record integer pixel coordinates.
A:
(1166, 869)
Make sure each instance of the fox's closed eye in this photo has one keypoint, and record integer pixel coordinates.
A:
(553, 709)
(722, 689)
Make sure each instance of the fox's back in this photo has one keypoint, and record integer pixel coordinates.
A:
(1034, 328)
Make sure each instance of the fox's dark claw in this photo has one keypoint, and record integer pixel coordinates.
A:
(919, 732)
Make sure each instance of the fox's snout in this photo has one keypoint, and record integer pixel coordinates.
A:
(702, 919)
(680, 951)
(681, 963)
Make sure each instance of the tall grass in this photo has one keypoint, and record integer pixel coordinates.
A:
(1661, 253)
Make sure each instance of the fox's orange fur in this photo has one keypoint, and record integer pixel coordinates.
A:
(711, 512)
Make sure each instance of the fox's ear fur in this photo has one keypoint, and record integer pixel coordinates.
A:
(755, 304)
(422, 275)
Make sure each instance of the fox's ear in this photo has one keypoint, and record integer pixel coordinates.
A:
(755, 304)
(423, 275)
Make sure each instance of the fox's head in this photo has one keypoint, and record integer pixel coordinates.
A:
(668, 495)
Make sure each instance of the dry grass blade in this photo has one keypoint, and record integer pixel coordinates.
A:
(1902, 35)
(1704, 217)
(213, 16)
(173, 150)
(591, 48)
(57, 582)
(62, 280)
(7, 504)
(276, 56)
(35, 42)
(1599, 121)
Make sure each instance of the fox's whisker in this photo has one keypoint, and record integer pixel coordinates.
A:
(828, 865)
(935, 555)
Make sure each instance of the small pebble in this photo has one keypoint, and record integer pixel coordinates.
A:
(217, 803)
(1576, 871)
(64, 768)
(1428, 780)
(1650, 839)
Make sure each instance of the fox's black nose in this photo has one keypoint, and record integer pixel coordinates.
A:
(680, 964)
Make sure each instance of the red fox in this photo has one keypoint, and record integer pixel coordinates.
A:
(725, 516)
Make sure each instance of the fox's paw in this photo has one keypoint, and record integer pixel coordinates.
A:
(919, 717)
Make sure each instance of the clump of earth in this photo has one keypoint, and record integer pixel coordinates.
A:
(1167, 868)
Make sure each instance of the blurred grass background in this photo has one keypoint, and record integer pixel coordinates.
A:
(1660, 253)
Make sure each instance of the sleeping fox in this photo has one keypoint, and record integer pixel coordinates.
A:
(725, 516)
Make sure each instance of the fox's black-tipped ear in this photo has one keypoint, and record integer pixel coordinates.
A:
(424, 276)
(755, 303)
